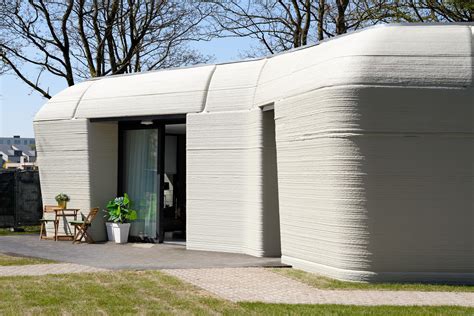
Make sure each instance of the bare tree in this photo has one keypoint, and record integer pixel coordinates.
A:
(320, 18)
(442, 11)
(340, 22)
(282, 25)
(278, 25)
(420, 10)
(77, 39)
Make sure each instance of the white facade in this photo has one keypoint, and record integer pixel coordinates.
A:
(374, 149)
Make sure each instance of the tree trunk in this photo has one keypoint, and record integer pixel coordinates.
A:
(341, 26)
(321, 11)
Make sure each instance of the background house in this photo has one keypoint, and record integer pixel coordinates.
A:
(17, 140)
(17, 153)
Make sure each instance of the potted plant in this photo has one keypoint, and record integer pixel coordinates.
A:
(120, 215)
(62, 200)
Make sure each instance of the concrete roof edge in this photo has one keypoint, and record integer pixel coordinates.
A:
(294, 49)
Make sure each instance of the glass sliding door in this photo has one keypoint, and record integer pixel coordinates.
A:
(141, 179)
(151, 172)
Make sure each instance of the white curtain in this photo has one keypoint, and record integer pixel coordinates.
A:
(140, 179)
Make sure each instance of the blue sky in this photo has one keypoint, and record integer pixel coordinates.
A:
(19, 103)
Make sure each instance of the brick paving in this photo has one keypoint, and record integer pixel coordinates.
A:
(43, 269)
(262, 285)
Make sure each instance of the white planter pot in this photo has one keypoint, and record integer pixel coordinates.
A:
(110, 231)
(120, 232)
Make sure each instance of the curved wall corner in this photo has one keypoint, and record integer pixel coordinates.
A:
(391, 55)
(233, 85)
(63, 105)
(170, 91)
(375, 183)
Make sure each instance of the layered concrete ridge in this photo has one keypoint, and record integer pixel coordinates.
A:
(438, 55)
(374, 149)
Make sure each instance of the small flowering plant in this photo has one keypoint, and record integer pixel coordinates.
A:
(62, 197)
(118, 210)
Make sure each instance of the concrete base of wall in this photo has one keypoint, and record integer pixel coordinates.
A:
(247, 251)
(366, 276)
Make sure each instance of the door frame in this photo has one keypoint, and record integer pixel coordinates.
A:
(153, 122)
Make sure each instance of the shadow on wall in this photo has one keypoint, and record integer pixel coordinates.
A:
(271, 214)
(417, 172)
(103, 160)
(419, 200)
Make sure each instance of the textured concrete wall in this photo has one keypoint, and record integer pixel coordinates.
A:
(232, 197)
(63, 105)
(63, 160)
(78, 158)
(375, 158)
(232, 87)
(103, 148)
(428, 55)
(165, 92)
(349, 179)
(225, 184)
(371, 192)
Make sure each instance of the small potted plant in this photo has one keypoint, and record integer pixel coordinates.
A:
(62, 200)
(120, 215)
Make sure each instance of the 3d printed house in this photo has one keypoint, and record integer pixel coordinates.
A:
(353, 158)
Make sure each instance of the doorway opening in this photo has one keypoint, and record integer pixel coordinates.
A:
(271, 211)
(152, 171)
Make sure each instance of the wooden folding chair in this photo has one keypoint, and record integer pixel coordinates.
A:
(51, 210)
(82, 227)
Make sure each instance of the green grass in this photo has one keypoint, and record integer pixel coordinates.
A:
(7, 260)
(322, 282)
(155, 293)
(284, 309)
(27, 230)
(112, 293)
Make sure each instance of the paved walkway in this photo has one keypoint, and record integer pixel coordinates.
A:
(258, 284)
(42, 269)
(128, 256)
(232, 276)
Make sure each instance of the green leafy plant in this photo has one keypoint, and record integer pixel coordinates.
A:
(62, 197)
(119, 211)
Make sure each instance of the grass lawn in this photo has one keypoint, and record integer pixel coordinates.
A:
(322, 282)
(152, 292)
(26, 230)
(6, 260)
(285, 309)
